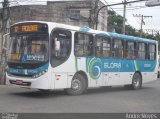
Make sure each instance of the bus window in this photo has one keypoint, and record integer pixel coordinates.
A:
(152, 52)
(83, 45)
(60, 46)
(142, 51)
(117, 49)
(130, 50)
(102, 46)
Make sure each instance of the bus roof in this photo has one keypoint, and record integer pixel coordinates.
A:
(131, 38)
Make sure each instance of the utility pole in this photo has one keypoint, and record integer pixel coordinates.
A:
(124, 17)
(93, 11)
(113, 5)
(5, 16)
(142, 22)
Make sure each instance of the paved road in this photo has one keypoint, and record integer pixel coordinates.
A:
(101, 100)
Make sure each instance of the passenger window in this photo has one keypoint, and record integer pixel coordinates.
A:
(142, 48)
(117, 48)
(103, 46)
(152, 52)
(130, 50)
(83, 45)
(60, 46)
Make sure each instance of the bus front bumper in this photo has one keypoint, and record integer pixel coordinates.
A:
(41, 82)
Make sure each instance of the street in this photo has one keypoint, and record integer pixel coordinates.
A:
(100, 100)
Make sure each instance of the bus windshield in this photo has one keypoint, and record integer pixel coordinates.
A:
(28, 48)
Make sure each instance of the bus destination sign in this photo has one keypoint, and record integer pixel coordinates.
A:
(25, 28)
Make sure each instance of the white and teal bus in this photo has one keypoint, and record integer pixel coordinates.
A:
(49, 56)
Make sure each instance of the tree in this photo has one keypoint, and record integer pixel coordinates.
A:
(115, 24)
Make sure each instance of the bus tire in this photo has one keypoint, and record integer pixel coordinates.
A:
(78, 85)
(136, 81)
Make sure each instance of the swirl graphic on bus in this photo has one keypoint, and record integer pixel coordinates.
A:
(95, 66)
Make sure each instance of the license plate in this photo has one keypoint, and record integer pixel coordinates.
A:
(18, 82)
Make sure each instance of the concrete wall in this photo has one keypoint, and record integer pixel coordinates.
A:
(73, 12)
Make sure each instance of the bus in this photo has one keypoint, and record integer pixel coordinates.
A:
(50, 56)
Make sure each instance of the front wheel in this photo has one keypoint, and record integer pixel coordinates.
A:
(136, 81)
(78, 85)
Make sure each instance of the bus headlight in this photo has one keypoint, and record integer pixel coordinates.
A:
(39, 74)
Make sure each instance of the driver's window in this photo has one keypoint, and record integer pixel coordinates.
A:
(60, 46)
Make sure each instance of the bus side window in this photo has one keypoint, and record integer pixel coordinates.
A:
(84, 45)
(142, 51)
(152, 52)
(103, 46)
(60, 46)
(130, 50)
(117, 48)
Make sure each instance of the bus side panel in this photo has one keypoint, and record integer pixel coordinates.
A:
(107, 72)
(148, 69)
(94, 71)
(149, 76)
(126, 77)
(63, 74)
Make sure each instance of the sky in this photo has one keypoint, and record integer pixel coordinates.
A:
(139, 9)
(132, 9)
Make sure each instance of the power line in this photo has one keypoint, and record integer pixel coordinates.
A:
(115, 11)
(114, 5)
(142, 21)
(152, 31)
(124, 17)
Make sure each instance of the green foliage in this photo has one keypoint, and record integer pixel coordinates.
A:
(115, 23)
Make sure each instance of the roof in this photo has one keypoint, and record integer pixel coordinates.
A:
(131, 38)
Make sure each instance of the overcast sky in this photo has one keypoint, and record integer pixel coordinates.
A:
(139, 8)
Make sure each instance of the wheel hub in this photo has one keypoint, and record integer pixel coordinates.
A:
(136, 81)
(76, 84)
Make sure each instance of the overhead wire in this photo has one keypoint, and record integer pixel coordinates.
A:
(116, 10)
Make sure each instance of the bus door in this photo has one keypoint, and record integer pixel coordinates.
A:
(60, 55)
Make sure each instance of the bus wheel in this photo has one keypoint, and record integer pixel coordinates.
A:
(78, 85)
(136, 81)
